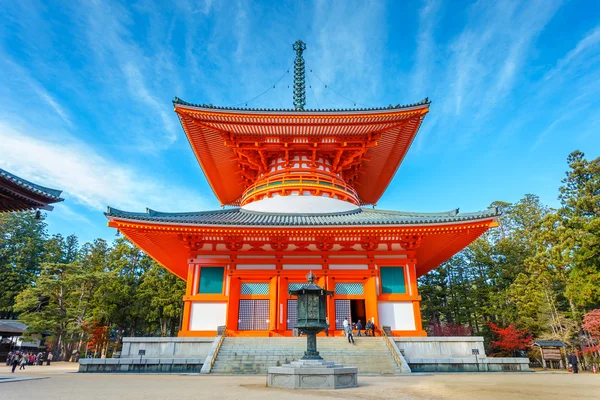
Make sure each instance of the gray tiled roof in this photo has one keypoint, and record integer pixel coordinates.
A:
(362, 216)
(178, 101)
(52, 194)
(549, 343)
(12, 326)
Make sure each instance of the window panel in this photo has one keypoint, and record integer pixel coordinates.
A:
(211, 280)
(392, 280)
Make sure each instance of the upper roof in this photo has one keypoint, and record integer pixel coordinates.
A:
(178, 101)
(385, 134)
(359, 217)
(18, 194)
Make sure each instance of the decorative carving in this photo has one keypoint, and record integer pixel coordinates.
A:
(234, 243)
(370, 243)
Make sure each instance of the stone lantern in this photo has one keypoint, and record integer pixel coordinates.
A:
(311, 371)
(312, 314)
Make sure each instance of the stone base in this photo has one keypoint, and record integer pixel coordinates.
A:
(312, 374)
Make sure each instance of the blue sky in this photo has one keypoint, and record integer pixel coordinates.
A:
(86, 90)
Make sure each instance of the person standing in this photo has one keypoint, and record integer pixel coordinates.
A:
(49, 358)
(359, 328)
(349, 333)
(573, 361)
(22, 361)
(15, 361)
(345, 325)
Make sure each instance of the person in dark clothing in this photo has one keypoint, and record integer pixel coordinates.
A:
(573, 361)
(359, 328)
(349, 334)
(15, 361)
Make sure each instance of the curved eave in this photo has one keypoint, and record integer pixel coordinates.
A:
(205, 127)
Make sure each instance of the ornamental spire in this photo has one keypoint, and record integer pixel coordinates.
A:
(299, 78)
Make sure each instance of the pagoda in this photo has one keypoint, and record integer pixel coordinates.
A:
(297, 183)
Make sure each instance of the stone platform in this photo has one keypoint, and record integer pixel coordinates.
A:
(312, 374)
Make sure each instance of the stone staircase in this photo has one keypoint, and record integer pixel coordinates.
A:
(245, 355)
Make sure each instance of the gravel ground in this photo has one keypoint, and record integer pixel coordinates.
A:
(64, 383)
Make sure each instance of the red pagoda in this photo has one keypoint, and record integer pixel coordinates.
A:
(298, 181)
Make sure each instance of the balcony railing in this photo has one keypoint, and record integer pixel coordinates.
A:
(300, 182)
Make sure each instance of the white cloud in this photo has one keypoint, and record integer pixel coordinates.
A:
(85, 176)
(491, 50)
(585, 51)
(426, 46)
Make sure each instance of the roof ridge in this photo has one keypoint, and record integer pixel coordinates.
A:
(178, 101)
(450, 213)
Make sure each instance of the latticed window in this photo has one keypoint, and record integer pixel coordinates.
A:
(342, 312)
(292, 314)
(295, 286)
(349, 288)
(253, 315)
(255, 288)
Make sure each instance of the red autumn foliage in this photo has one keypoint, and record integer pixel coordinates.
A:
(591, 323)
(437, 328)
(510, 339)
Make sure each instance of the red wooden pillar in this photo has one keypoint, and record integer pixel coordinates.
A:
(187, 303)
(273, 306)
(370, 288)
(233, 303)
(330, 285)
(412, 272)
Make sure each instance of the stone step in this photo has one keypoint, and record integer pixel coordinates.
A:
(239, 355)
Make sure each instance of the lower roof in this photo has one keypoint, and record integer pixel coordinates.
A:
(359, 217)
(159, 234)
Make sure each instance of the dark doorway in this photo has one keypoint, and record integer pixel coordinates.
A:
(358, 312)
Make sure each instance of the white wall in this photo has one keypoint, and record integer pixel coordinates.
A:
(399, 315)
(207, 316)
(294, 204)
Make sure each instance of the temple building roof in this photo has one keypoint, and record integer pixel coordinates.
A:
(360, 217)
(233, 146)
(163, 235)
(425, 101)
(18, 194)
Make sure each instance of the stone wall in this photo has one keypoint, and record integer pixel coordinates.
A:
(166, 347)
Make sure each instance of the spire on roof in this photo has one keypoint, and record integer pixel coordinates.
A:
(299, 76)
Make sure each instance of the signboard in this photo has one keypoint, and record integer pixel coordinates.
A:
(475, 352)
(142, 353)
(551, 353)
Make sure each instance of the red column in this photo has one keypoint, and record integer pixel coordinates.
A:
(187, 303)
(233, 303)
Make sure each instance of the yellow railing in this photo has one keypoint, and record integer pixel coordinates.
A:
(308, 181)
(391, 347)
(214, 356)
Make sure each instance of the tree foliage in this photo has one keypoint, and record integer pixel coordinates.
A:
(539, 270)
(510, 340)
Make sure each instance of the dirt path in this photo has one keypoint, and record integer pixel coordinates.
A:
(63, 383)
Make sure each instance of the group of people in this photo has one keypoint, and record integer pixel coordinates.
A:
(22, 359)
(358, 326)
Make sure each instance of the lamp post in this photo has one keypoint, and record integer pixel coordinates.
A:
(312, 314)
